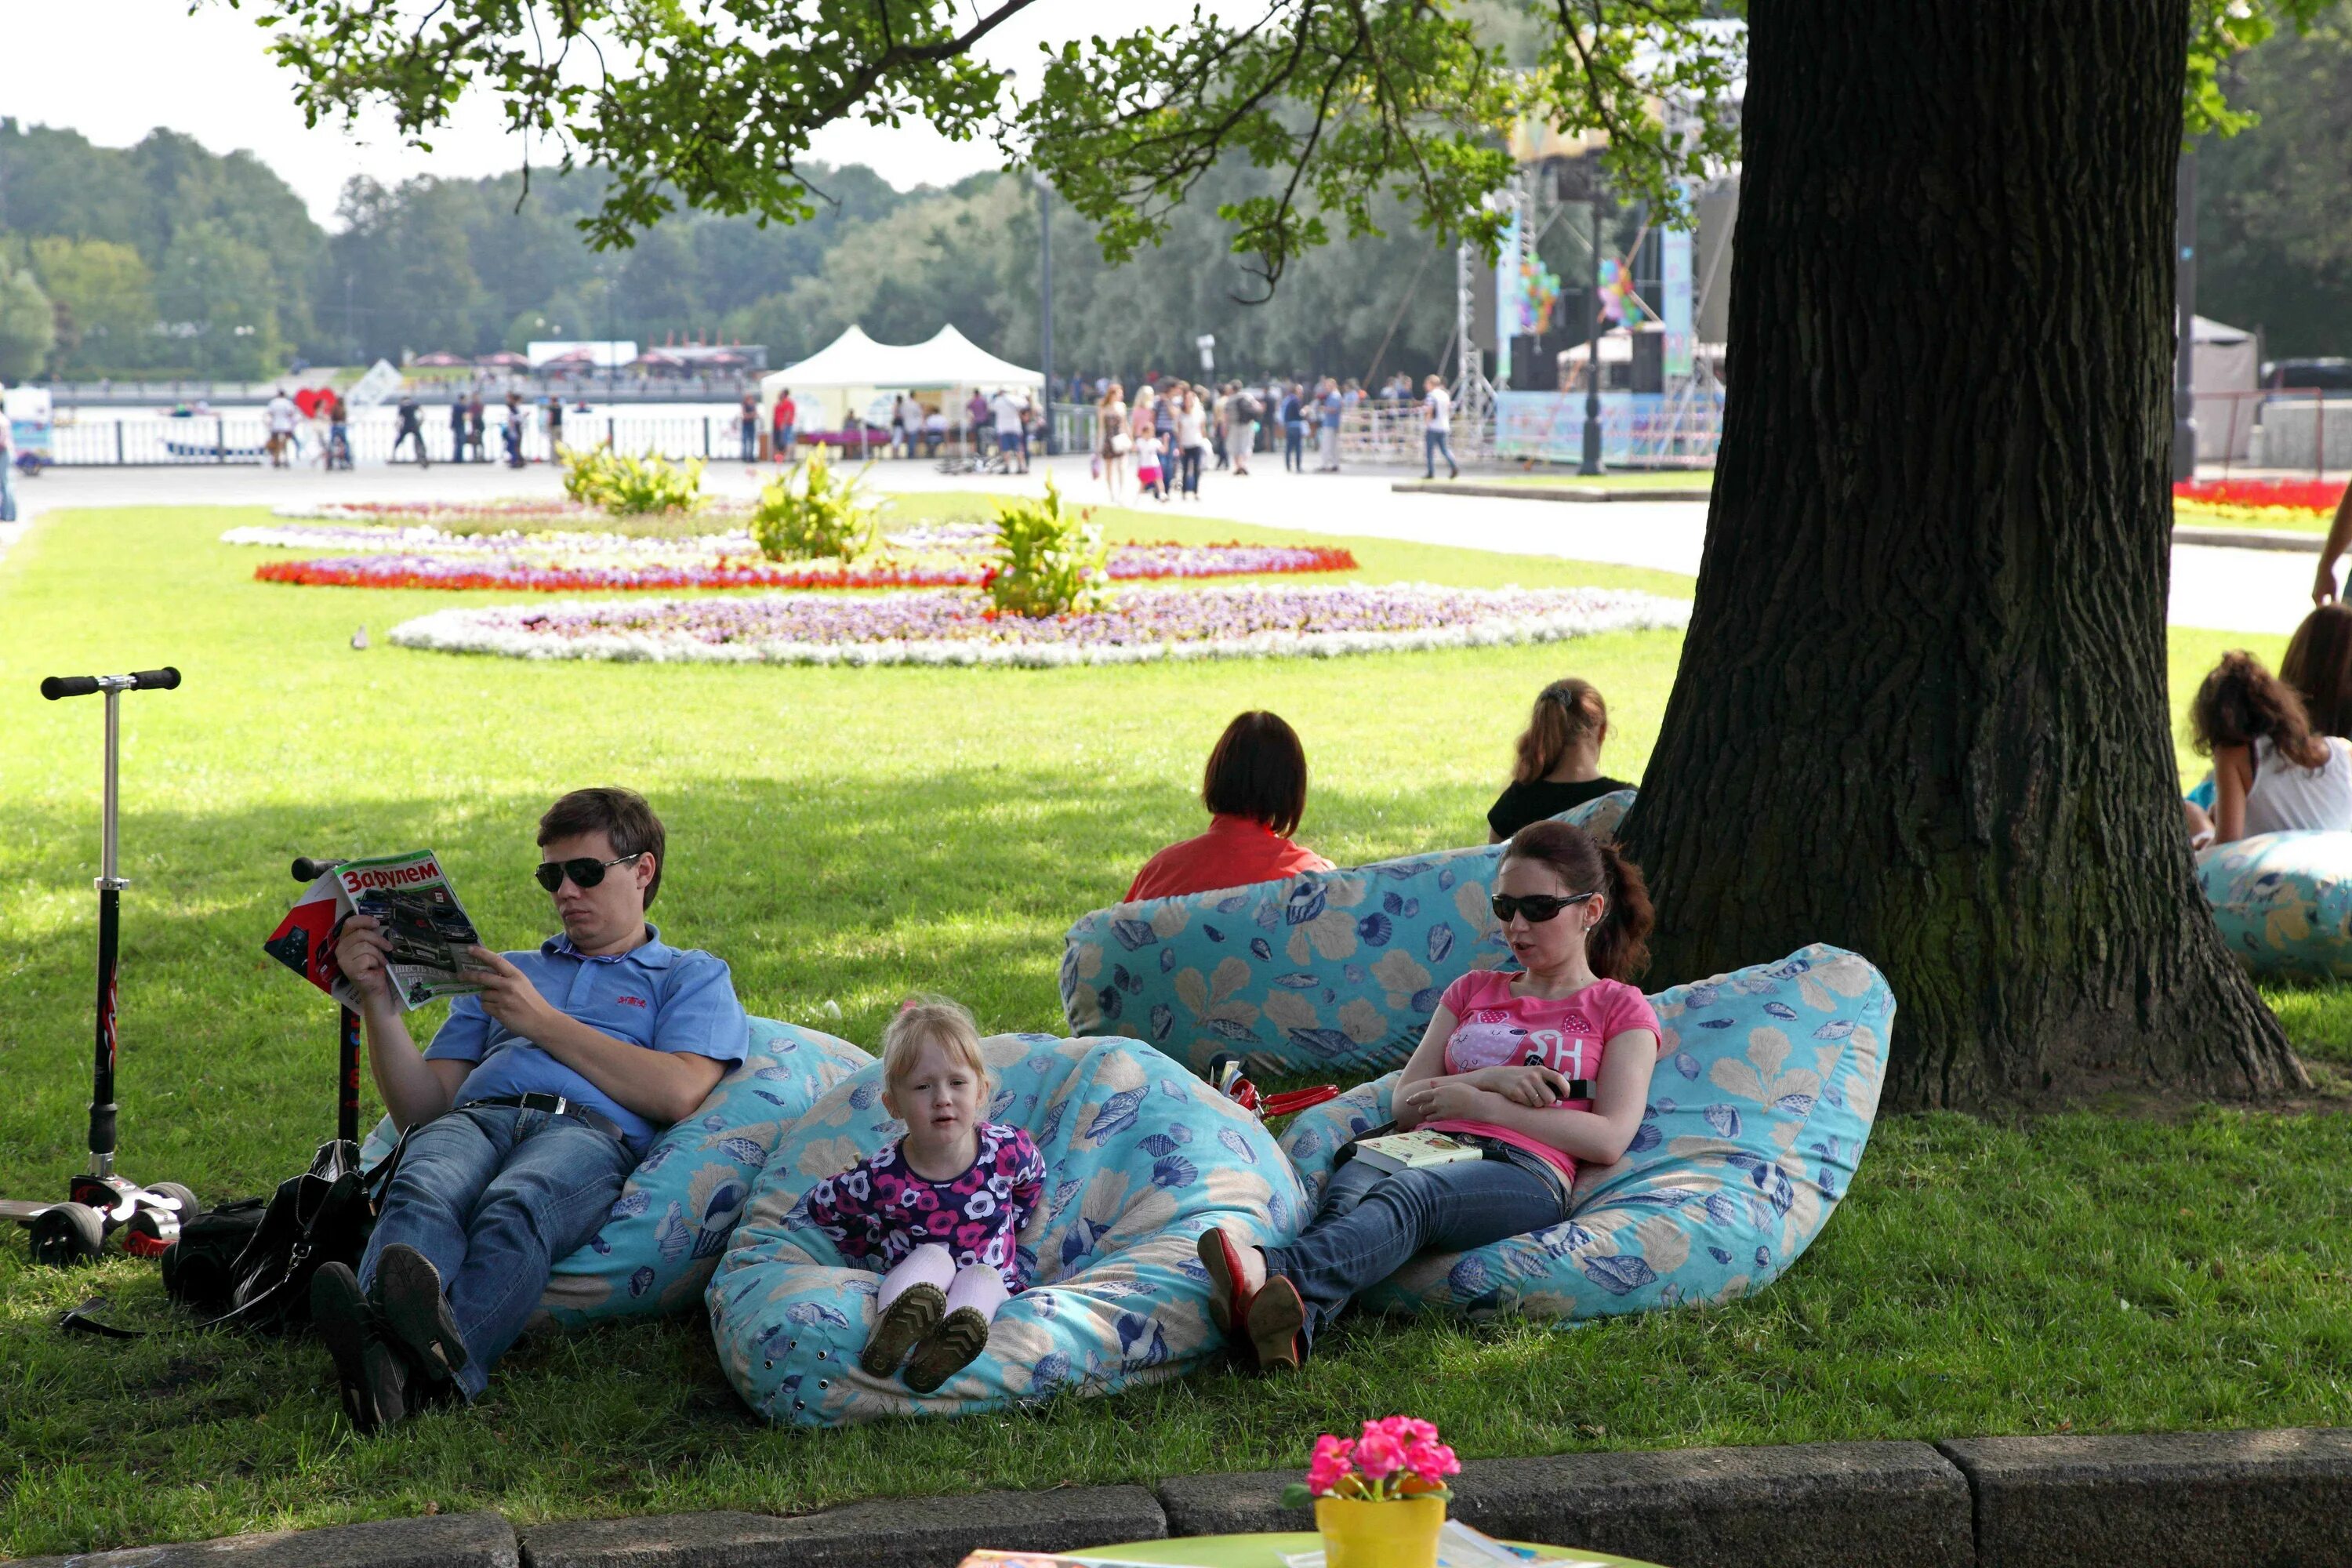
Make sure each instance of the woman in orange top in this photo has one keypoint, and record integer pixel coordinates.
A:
(1255, 790)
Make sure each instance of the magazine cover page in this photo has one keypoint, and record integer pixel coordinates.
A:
(410, 899)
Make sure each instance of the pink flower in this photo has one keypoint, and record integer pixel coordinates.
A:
(1429, 1459)
(1378, 1455)
(1329, 1464)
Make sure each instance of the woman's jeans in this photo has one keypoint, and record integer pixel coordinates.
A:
(493, 1195)
(1293, 447)
(1190, 466)
(1371, 1223)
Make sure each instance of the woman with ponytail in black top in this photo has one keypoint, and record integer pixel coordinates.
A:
(1557, 762)
(1537, 1071)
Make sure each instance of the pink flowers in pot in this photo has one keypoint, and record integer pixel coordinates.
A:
(1393, 1459)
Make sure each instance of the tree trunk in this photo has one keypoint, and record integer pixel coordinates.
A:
(1922, 709)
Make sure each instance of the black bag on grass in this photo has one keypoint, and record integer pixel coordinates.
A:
(248, 1264)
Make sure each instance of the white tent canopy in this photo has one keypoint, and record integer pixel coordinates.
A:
(2224, 369)
(848, 373)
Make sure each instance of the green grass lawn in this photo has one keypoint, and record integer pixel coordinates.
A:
(843, 836)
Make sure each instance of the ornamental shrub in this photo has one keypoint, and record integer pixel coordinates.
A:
(822, 518)
(1047, 561)
(631, 487)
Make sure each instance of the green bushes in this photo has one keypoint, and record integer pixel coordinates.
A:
(1048, 562)
(820, 517)
(630, 486)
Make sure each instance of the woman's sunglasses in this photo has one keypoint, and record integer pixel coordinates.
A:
(586, 873)
(1537, 907)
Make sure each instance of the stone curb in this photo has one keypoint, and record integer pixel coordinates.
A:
(1888, 1505)
(1579, 494)
(445, 1541)
(2190, 1498)
(2184, 1500)
(909, 1532)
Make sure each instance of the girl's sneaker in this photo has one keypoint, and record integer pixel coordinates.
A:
(903, 1325)
(958, 1340)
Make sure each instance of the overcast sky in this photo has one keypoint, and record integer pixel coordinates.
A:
(114, 70)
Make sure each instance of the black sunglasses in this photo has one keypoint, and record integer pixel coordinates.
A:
(1537, 907)
(584, 872)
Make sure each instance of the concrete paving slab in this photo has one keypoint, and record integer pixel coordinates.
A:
(912, 1532)
(445, 1541)
(2183, 1500)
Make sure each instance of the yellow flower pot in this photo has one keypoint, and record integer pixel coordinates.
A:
(1360, 1534)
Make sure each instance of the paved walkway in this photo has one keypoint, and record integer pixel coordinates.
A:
(2223, 589)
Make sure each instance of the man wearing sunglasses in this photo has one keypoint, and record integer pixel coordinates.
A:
(535, 1099)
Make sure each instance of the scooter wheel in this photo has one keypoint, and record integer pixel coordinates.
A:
(68, 1234)
(189, 1208)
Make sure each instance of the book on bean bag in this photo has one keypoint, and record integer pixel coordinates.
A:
(1327, 972)
(1761, 1104)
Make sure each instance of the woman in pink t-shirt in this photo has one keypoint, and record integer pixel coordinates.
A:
(1538, 1070)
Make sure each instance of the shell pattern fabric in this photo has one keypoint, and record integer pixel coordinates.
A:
(1762, 1101)
(678, 1207)
(1141, 1157)
(2283, 901)
(1326, 972)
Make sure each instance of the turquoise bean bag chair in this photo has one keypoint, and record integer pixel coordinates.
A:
(1328, 971)
(678, 1207)
(1762, 1101)
(2283, 901)
(1141, 1157)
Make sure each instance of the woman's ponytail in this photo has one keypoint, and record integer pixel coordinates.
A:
(1619, 946)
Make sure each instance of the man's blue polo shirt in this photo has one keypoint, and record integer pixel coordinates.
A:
(653, 995)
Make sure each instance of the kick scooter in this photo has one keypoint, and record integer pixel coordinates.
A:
(101, 1200)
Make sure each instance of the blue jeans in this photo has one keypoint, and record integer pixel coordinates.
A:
(1190, 469)
(1433, 441)
(493, 1196)
(1293, 445)
(1372, 1223)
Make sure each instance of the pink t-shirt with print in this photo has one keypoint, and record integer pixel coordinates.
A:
(1568, 1035)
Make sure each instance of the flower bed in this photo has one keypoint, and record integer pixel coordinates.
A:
(958, 628)
(512, 513)
(2274, 502)
(945, 555)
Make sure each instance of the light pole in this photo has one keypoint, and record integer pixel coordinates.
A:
(1590, 466)
(2184, 362)
(1045, 296)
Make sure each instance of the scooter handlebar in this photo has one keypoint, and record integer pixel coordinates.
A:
(165, 679)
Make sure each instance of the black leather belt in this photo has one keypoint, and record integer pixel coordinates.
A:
(555, 1105)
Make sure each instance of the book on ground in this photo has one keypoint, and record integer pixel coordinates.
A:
(418, 909)
(1414, 1150)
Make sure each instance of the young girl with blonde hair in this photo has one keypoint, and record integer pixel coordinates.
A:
(940, 1206)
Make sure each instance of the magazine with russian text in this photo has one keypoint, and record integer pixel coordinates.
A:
(419, 911)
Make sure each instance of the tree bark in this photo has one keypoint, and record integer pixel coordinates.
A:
(1921, 706)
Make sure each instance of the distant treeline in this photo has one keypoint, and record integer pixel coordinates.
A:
(165, 259)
